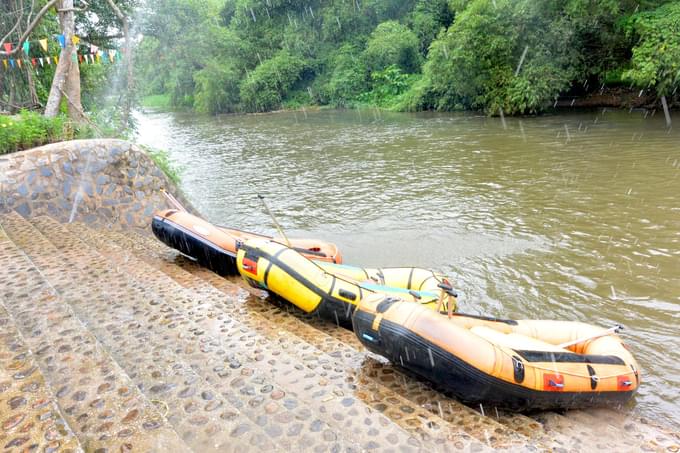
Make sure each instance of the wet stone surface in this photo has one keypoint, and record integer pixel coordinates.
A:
(29, 417)
(47, 324)
(85, 180)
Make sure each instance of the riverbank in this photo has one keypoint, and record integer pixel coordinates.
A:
(614, 97)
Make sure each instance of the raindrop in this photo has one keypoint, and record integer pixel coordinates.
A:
(311, 13)
(665, 111)
(521, 59)
(338, 21)
(566, 129)
(505, 126)
(481, 408)
(252, 13)
(521, 128)
(429, 352)
(337, 321)
(441, 412)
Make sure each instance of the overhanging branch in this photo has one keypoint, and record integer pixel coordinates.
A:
(30, 28)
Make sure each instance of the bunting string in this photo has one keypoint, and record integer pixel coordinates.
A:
(86, 53)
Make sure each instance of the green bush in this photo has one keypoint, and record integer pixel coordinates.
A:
(267, 86)
(217, 88)
(348, 78)
(656, 57)
(475, 63)
(30, 129)
(392, 43)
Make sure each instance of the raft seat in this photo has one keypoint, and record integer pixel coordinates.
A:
(515, 341)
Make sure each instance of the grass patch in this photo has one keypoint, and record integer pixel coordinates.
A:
(30, 129)
(156, 101)
(162, 160)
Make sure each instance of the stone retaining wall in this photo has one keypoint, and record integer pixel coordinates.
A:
(109, 183)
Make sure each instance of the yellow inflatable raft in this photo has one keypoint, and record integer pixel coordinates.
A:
(520, 365)
(330, 290)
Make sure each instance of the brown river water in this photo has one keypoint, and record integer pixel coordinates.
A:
(573, 216)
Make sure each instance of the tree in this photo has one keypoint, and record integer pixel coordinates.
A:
(66, 82)
(656, 56)
(392, 43)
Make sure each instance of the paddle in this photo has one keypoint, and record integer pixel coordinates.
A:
(278, 227)
(609, 331)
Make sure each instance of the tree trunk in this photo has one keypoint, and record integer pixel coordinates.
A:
(12, 92)
(66, 70)
(33, 93)
(129, 91)
(72, 90)
(127, 51)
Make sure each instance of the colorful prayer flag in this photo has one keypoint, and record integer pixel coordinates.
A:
(19, 62)
(11, 62)
(43, 44)
(62, 40)
(94, 49)
(27, 47)
(8, 47)
(35, 63)
(49, 60)
(41, 62)
(4, 62)
(56, 60)
(75, 40)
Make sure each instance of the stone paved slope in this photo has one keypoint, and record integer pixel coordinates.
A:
(97, 399)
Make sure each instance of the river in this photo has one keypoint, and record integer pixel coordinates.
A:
(573, 216)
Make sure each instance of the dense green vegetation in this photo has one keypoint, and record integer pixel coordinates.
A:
(511, 56)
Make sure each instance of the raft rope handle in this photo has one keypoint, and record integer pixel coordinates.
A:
(276, 223)
(567, 373)
(607, 332)
(448, 293)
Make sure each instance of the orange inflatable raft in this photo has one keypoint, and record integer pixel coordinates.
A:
(521, 365)
(215, 247)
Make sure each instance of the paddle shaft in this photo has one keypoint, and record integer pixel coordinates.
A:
(609, 331)
(276, 223)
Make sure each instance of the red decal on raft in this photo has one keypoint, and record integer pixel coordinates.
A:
(553, 382)
(250, 266)
(624, 383)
